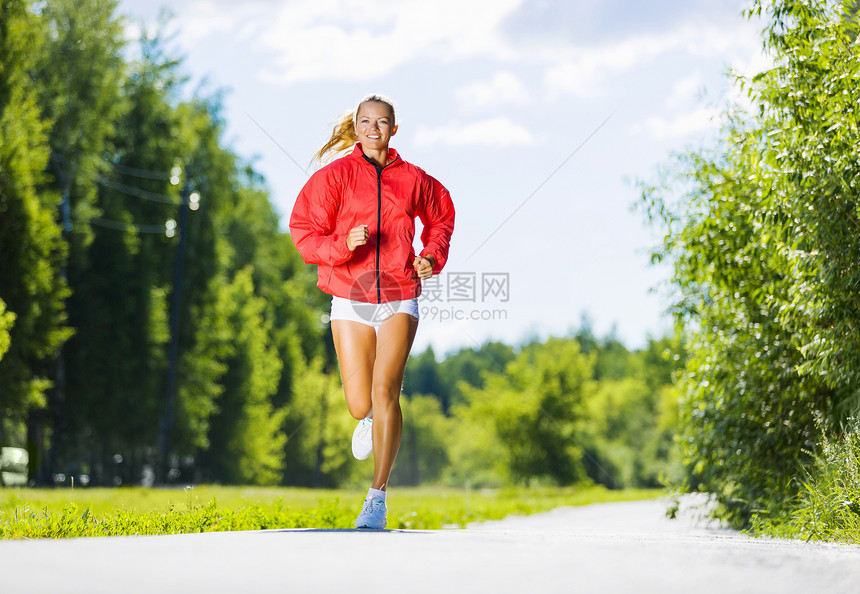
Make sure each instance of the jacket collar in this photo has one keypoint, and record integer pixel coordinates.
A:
(393, 155)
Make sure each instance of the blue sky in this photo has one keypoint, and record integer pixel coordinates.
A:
(536, 114)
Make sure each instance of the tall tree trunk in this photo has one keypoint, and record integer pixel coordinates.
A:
(415, 473)
(320, 457)
(37, 470)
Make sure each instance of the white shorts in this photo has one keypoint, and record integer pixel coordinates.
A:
(370, 314)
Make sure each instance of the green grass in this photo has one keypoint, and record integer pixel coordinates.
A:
(54, 513)
(828, 504)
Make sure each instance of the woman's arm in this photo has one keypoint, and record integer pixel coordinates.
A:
(437, 215)
(314, 219)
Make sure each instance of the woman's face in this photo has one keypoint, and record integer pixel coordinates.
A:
(374, 125)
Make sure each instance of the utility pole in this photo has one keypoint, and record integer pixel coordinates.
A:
(166, 425)
(46, 456)
(58, 433)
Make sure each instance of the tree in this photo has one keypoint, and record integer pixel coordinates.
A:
(424, 445)
(103, 144)
(535, 411)
(203, 367)
(246, 444)
(121, 281)
(31, 246)
(442, 380)
(83, 100)
(319, 429)
(7, 320)
(423, 376)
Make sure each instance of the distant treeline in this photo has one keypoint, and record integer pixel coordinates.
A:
(560, 411)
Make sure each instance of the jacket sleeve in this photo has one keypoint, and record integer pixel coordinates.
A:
(437, 215)
(313, 221)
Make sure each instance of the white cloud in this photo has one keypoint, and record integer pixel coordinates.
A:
(240, 21)
(685, 90)
(357, 40)
(361, 39)
(586, 71)
(683, 125)
(504, 87)
(496, 132)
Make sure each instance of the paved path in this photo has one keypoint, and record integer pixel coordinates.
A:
(611, 548)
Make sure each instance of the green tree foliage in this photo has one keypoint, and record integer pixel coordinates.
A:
(535, 410)
(444, 379)
(424, 445)
(121, 287)
(203, 366)
(319, 429)
(245, 443)
(423, 375)
(111, 132)
(764, 245)
(554, 414)
(31, 246)
(83, 99)
(7, 320)
(632, 416)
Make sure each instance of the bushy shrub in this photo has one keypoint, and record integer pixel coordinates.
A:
(764, 243)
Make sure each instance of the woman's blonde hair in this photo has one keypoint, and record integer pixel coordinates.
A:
(343, 134)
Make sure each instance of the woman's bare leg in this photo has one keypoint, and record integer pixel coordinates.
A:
(393, 344)
(355, 345)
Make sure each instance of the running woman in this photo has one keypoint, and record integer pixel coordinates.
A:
(355, 219)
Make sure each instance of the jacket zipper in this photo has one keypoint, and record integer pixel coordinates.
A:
(378, 220)
(378, 228)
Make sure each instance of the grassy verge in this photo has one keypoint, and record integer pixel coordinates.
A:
(31, 513)
(828, 506)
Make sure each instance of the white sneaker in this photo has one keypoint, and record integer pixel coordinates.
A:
(362, 439)
(374, 515)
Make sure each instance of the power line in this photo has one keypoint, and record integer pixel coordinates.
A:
(141, 173)
(549, 177)
(121, 226)
(137, 192)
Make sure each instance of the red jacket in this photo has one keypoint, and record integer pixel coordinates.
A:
(352, 191)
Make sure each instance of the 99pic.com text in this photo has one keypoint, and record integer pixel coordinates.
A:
(457, 314)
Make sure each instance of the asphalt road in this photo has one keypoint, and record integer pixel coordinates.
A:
(619, 547)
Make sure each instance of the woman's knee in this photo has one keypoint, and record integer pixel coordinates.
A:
(358, 410)
(386, 392)
(358, 402)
